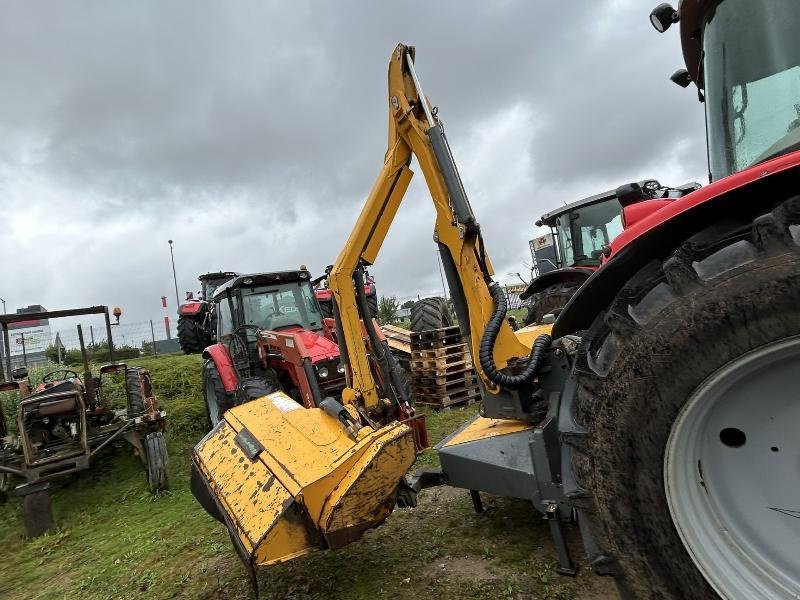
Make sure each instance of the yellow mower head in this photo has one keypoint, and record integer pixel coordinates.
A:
(285, 479)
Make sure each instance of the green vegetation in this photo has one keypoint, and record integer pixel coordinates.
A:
(98, 353)
(117, 541)
(387, 309)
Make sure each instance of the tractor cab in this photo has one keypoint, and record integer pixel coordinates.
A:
(744, 57)
(580, 234)
(271, 334)
(267, 301)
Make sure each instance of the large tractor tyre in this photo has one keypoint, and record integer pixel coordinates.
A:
(134, 390)
(157, 462)
(252, 388)
(687, 391)
(401, 377)
(192, 336)
(217, 399)
(430, 313)
(549, 299)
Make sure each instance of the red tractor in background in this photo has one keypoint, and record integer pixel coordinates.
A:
(579, 232)
(196, 320)
(325, 297)
(272, 335)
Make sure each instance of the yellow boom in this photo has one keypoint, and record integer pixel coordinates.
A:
(285, 479)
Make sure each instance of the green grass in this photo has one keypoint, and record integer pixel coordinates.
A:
(117, 541)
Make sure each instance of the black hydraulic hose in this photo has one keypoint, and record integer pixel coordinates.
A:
(378, 349)
(485, 354)
(340, 341)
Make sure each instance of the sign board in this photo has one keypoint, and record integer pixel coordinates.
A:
(542, 242)
(543, 252)
(36, 339)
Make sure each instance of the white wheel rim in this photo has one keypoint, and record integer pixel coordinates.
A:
(732, 475)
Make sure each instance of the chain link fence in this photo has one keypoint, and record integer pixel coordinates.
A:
(35, 345)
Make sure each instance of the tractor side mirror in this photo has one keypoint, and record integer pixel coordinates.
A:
(681, 77)
(19, 373)
(8, 386)
(630, 193)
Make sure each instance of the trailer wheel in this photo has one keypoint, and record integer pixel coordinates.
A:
(549, 299)
(217, 399)
(688, 395)
(430, 313)
(37, 512)
(192, 336)
(157, 461)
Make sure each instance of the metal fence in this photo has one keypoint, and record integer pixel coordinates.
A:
(29, 346)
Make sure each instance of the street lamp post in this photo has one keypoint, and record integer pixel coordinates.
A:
(174, 277)
(4, 305)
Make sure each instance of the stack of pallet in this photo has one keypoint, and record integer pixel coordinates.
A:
(441, 368)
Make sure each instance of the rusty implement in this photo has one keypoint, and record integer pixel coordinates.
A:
(285, 479)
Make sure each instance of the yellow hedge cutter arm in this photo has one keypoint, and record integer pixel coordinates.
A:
(285, 479)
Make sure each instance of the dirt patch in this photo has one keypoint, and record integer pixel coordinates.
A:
(470, 568)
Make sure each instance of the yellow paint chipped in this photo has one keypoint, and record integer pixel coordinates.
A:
(311, 486)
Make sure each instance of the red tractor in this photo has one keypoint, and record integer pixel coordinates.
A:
(271, 336)
(196, 320)
(325, 297)
(682, 417)
(579, 233)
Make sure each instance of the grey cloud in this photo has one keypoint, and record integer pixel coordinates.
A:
(251, 132)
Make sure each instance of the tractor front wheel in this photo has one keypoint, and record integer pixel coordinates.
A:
(688, 395)
(217, 399)
(549, 299)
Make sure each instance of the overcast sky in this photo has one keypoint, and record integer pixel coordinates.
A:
(251, 132)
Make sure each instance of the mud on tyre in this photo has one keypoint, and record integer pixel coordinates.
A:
(728, 291)
(549, 299)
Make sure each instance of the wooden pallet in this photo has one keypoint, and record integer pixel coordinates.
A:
(426, 365)
(436, 338)
(443, 401)
(439, 352)
(428, 378)
(442, 371)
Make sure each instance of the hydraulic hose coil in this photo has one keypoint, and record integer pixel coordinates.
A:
(486, 351)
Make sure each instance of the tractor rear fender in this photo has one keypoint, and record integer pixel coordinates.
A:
(565, 275)
(740, 196)
(222, 360)
(192, 308)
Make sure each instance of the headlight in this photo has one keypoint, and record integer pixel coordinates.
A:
(322, 372)
(340, 368)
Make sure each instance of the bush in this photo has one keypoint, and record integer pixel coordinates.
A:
(97, 353)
